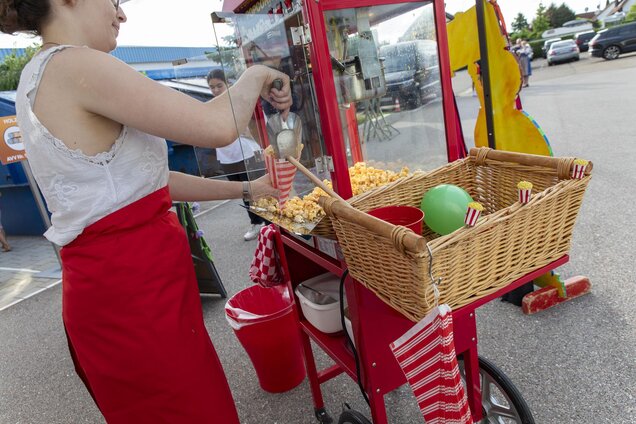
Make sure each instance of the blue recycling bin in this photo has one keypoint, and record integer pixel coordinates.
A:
(20, 214)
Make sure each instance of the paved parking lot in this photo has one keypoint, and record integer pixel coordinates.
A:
(22, 268)
(586, 64)
(573, 364)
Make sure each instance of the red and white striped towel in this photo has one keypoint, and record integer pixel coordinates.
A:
(426, 354)
(281, 173)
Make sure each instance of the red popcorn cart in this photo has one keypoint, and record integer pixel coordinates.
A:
(375, 124)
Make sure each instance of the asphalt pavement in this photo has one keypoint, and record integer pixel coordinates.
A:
(573, 363)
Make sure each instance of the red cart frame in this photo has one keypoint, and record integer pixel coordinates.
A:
(375, 326)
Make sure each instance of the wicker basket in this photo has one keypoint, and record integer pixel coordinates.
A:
(324, 228)
(509, 241)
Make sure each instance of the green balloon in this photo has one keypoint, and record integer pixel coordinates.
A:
(445, 207)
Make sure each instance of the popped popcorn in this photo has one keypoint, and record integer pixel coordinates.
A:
(301, 214)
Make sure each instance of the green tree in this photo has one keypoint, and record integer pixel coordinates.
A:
(520, 23)
(12, 65)
(631, 15)
(229, 56)
(550, 11)
(561, 15)
(524, 34)
(540, 23)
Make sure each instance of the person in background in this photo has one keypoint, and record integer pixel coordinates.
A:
(94, 130)
(527, 49)
(3, 236)
(233, 158)
(524, 55)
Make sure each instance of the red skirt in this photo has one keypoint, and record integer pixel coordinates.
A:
(134, 322)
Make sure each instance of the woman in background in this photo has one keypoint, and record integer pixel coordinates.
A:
(524, 55)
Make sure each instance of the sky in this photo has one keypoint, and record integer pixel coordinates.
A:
(163, 23)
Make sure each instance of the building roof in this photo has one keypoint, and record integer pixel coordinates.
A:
(137, 54)
(140, 54)
(587, 15)
(615, 7)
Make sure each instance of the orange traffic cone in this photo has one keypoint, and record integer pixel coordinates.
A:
(397, 106)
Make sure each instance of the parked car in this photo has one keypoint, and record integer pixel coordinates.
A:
(546, 46)
(582, 40)
(562, 51)
(411, 72)
(612, 42)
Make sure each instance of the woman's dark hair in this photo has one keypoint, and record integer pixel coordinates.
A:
(216, 74)
(23, 15)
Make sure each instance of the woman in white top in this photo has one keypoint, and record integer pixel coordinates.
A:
(94, 130)
(233, 157)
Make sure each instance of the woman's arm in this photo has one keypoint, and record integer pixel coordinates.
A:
(189, 188)
(103, 85)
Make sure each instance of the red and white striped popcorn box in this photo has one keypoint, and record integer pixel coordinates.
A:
(578, 171)
(473, 212)
(281, 173)
(525, 191)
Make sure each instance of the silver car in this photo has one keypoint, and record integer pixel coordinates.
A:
(563, 51)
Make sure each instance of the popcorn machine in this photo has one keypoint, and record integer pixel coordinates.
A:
(371, 86)
(373, 102)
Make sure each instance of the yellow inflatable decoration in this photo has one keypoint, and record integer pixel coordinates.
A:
(514, 130)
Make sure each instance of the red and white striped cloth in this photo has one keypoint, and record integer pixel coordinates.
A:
(281, 173)
(426, 354)
(265, 269)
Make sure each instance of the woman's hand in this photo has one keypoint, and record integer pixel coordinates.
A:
(262, 187)
(280, 99)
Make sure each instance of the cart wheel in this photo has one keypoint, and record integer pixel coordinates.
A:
(323, 416)
(349, 416)
(500, 399)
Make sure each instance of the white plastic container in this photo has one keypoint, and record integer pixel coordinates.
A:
(325, 318)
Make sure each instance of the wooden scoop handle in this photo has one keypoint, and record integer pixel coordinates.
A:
(410, 241)
(314, 179)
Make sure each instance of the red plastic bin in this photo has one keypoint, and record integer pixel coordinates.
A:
(263, 321)
(408, 216)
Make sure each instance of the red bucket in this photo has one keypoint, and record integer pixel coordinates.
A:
(408, 216)
(264, 322)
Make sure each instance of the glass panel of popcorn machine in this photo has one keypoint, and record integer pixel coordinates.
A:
(386, 71)
(275, 38)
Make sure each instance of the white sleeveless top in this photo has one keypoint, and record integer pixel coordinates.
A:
(80, 189)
